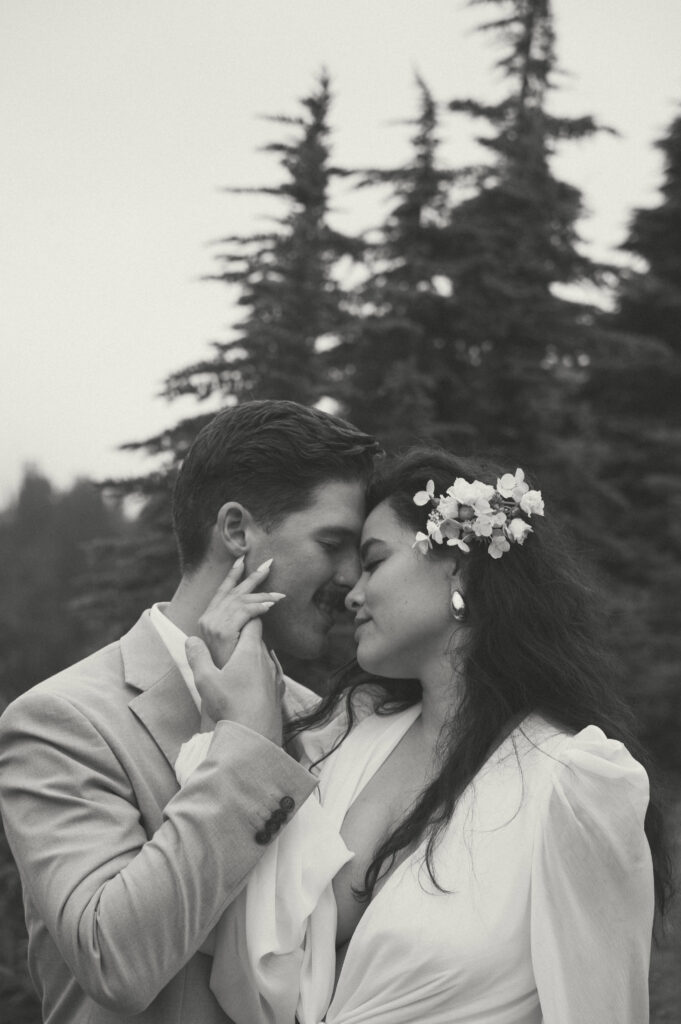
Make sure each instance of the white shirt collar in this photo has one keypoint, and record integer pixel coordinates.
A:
(174, 639)
(297, 699)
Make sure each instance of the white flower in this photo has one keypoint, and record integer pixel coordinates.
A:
(451, 528)
(476, 510)
(476, 495)
(517, 530)
(498, 545)
(423, 497)
(512, 485)
(532, 503)
(456, 542)
(448, 506)
(434, 534)
(484, 524)
(422, 542)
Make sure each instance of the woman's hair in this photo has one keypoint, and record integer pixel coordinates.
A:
(533, 644)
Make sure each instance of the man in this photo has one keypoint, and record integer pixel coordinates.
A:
(124, 876)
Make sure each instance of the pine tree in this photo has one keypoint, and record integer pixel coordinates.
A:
(393, 361)
(287, 286)
(650, 301)
(287, 278)
(43, 539)
(520, 346)
(640, 415)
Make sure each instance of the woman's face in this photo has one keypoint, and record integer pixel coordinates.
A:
(401, 602)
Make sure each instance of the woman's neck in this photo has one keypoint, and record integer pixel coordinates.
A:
(442, 692)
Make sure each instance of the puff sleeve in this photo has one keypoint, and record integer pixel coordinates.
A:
(592, 899)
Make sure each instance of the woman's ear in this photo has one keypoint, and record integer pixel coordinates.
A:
(453, 568)
(233, 525)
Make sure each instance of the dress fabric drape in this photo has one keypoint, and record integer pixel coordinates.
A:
(543, 915)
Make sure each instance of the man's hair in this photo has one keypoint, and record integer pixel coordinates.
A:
(270, 456)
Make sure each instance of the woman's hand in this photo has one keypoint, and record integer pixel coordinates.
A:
(247, 690)
(234, 605)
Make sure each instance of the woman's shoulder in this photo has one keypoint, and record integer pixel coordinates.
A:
(582, 772)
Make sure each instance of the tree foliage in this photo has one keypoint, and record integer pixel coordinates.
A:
(460, 317)
(639, 415)
(464, 321)
(287, 288)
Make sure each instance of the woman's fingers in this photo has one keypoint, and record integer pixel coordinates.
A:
(230, 586)
(255, 578)
(233, 614)
(230, 581)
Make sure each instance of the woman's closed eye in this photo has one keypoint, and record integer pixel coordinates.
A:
(371, 566)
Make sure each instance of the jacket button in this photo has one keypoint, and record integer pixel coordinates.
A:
(287, 803)
(278, 817)
(263, 837)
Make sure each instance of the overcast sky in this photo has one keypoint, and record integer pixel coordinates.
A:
(122, 119)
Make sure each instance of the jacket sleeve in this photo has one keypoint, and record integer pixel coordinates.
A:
(127, 912)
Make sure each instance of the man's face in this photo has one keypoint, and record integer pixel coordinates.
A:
(315, 564)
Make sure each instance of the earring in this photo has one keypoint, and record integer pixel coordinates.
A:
(458, 605)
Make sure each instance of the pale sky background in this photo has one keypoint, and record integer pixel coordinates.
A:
(121, 120)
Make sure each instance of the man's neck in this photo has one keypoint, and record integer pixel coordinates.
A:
(192, 597)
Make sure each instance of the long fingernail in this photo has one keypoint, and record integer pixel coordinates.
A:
(265, 565)
(239, 562)
(268, 604)
(276, 596)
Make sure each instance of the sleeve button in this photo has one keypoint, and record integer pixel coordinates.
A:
(287, 803)
(262, 838)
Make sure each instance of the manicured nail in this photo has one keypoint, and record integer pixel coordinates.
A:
(239, 562)
(268, 604)
(265, 565)
(276, 596)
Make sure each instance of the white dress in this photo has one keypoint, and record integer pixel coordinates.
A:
(547, 915)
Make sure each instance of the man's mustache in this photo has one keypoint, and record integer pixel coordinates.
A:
(333, 596)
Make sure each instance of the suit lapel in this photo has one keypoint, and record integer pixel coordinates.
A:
(163, 704)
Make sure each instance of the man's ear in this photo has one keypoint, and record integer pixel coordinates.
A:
(234, 525)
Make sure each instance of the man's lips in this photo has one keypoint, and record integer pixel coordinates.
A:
(359, 622)
(328, 608)
(330, 603)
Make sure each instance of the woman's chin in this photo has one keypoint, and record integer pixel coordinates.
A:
(368, 663)
(376, 666)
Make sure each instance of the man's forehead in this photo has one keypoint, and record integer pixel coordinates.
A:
(337, 506)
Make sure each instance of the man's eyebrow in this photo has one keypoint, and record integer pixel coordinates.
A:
(337, 531)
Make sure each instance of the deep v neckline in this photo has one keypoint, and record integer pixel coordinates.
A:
(400, 868)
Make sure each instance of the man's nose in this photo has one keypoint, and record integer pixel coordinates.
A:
(350, 570)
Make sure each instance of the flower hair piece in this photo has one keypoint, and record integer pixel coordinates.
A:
(478, 511)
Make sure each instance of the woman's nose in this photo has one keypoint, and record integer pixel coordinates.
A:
(354, 598)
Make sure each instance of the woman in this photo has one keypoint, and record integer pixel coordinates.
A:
(480, 769)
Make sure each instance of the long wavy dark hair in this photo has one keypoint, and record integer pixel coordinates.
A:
(534, 644)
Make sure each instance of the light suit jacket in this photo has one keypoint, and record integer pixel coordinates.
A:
(123, 874)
